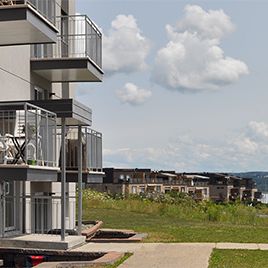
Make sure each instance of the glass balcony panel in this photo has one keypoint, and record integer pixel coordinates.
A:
(91, 149)
(79, 38)
(25, 22)
(46, 8)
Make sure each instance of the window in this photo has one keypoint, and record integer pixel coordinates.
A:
(64, 34)
(158, 188)
(142, 189)
(9, 209)
(134, 189)
(7, 188)
(182, 189)
(40, 93)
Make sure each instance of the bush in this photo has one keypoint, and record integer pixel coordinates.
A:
(176, 205)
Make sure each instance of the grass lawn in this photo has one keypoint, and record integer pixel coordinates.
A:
(116, 264)
(179, 218)
(229, 258)
(170, 229)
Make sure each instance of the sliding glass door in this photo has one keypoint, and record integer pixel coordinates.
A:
(9, 206)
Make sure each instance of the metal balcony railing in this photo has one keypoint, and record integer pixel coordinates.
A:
(42, 214)
(46, 8)
(27, 135)
(154, 181)
(201, 184)
(91, 149)
(79, 37)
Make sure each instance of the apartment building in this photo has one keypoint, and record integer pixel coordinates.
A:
(225, 187)
(197, 186)
(218, 187)
(135, 181)
(123, 181)
(47, 146)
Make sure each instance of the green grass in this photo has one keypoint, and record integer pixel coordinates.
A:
(183, 221)
(229, 258)
(117, 263)
(169, 229)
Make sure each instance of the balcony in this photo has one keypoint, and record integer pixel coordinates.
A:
(76, 56)
(74, 112)
(27, 142)
(91, 151)
(25, 22)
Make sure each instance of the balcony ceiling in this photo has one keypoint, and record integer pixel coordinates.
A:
(73, 111)
(28, 173)
(22, 25)
(67, 69)
(87, 177)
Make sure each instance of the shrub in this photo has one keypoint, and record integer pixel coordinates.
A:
(177, 206)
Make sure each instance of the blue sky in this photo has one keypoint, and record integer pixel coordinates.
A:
(191, 98)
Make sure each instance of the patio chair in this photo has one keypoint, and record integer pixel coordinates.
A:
(6, 3)
(21, 142)
(6, 149)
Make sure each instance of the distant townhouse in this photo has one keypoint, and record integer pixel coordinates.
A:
(125, 181)
(217, 187)
(225, 187)
(198, 186)
(135, 181)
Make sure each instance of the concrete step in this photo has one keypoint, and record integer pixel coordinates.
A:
(45, 241)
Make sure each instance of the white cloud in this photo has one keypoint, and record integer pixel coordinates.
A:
(133, 95)
(258, 129)
(245, 145)
(192, 60)
(124, 48)
(241, 151)
(211, 24)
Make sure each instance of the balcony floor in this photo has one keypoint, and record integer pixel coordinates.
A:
(87, 176)
(67, 69)
(42, 241)
(28, 173)
(22, 25)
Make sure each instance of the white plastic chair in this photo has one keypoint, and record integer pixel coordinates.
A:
(6, 149)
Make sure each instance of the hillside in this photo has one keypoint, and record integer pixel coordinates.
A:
(260, 177)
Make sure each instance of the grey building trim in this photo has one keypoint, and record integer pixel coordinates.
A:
(67, 69)
(28, 173)
(87, 177)
(73, 111)
(22, 25)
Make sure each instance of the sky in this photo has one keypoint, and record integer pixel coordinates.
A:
(185, 84)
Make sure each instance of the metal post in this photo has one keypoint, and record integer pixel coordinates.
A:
(26, 131)
(63, 178)
(80, 209)
(2, 220)
(86, 38)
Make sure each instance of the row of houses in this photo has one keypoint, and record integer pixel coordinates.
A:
(201, 186)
